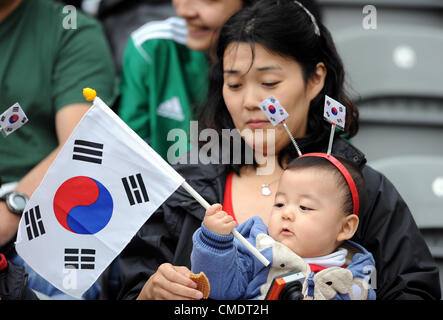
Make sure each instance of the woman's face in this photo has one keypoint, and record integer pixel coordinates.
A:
(204, 18)
(246, 86)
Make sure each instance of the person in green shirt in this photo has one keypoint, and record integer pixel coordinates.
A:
(164, 76)
(48, 55)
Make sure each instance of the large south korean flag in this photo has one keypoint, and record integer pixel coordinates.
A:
(102, 187)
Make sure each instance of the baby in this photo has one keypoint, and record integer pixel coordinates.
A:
(314, 215)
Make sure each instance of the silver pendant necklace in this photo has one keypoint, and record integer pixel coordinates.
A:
(265, 189)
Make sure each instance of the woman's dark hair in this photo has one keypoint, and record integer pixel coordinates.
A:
(285, 28)
(247, 3)
(324, 164)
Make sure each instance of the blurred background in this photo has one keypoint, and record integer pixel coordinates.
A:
(392, 52)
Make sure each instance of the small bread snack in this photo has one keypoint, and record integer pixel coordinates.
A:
(202, 283)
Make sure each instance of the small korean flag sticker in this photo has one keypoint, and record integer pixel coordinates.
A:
(12, 119)
(335, 112)
(273, 110)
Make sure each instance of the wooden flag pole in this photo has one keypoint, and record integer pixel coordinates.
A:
(236, 234)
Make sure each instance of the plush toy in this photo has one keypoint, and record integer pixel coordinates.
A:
(330, 283)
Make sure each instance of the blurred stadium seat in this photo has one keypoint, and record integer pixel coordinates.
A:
(394, 73)
(395, 76)
(419, 179)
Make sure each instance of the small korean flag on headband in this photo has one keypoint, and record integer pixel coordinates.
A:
(334, 112)
(12, 119)
(273, 110)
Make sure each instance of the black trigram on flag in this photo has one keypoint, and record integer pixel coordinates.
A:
(88, 151)
(79, 258)
(135, 189)
(33, 222)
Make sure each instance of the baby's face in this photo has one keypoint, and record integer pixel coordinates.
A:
(307, 215)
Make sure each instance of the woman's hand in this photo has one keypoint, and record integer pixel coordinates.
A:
(170, 283)
(219, 221)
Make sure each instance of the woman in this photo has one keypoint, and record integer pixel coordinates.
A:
(275, 48)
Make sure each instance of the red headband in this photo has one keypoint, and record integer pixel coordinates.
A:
(345, 174)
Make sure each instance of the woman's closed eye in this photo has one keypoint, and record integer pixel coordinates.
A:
(270, 84)
(234, 86)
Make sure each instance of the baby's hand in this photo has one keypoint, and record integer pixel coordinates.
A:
(219, 221)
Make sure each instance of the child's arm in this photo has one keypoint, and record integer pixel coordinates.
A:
(215, 254)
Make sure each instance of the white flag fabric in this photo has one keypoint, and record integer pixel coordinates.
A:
(273, 110)
(102, 187)
(334, 112)
(13, 118)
